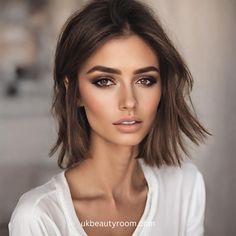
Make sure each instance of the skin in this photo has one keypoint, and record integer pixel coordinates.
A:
(117, 186)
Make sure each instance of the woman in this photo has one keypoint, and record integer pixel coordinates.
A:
(120, 100)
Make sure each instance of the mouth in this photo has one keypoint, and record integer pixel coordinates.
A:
(129, 125)
(128, 121)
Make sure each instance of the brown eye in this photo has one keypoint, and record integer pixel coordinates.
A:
(147, 81)
(103, 82)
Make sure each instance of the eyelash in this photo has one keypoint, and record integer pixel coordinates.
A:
(151, 80)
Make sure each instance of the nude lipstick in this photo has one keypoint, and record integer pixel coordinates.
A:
(128, 124)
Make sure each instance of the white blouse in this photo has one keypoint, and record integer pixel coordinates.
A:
(175, 206)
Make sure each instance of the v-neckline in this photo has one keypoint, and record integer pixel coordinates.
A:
(70, 212)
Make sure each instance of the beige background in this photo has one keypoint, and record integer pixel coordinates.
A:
(205, 33)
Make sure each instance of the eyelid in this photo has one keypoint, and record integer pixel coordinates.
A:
(152, 79)
(100, 78)
(97, 78)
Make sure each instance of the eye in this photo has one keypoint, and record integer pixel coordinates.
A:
(147, 81)
(103, 82)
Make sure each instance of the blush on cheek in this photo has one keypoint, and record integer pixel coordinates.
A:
(152, 103)
(98, 109)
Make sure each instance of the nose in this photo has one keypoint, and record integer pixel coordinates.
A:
(128, 99)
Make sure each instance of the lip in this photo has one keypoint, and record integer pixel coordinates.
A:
(136, 119)
(128, 128)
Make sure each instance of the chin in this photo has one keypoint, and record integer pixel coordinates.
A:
(128, 141)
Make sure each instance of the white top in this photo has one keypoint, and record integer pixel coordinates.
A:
(175, 206)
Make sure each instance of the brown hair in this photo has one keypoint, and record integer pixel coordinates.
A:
(84, 32)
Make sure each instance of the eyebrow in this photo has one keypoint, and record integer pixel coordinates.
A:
(116, 71)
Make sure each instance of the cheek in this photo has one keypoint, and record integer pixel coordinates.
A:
(150, 102)
(97, 105)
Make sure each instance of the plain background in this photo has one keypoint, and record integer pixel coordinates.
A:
(204, 32)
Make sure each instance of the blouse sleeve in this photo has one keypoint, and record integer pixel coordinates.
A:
(26, 224)
(195, 222)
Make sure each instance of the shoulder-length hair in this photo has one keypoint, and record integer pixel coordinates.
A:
(84, 32)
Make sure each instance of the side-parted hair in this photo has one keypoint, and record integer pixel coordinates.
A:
(84, 32)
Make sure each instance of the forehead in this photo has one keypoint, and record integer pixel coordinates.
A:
(123, 52)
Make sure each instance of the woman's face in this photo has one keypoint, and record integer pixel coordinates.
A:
(121, 81)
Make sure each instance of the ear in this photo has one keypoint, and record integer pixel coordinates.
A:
(66, 82)
(80, 102)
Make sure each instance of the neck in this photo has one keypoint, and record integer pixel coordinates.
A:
(113, 169)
